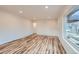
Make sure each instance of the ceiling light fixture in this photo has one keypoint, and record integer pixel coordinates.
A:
(46, 7)
(20, 11)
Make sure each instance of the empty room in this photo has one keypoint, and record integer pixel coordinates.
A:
(39, 29)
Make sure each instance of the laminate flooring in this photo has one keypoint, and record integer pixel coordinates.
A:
(33, 44)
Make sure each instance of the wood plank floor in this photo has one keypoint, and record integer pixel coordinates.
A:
(33, 44)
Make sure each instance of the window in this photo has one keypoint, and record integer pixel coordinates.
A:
(73, 17)
(72, 29)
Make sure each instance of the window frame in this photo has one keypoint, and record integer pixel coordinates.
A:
(70, 14)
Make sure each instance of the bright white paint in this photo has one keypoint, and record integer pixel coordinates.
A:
(35, 11)
(14, 23)
(13, 27)
(47, 27)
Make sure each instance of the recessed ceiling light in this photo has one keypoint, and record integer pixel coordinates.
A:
(46, 7)
(20, 11)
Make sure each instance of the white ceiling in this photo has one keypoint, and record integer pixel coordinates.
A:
(34, 11)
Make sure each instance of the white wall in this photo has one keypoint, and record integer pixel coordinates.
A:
(47, 27)
(13, 27)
